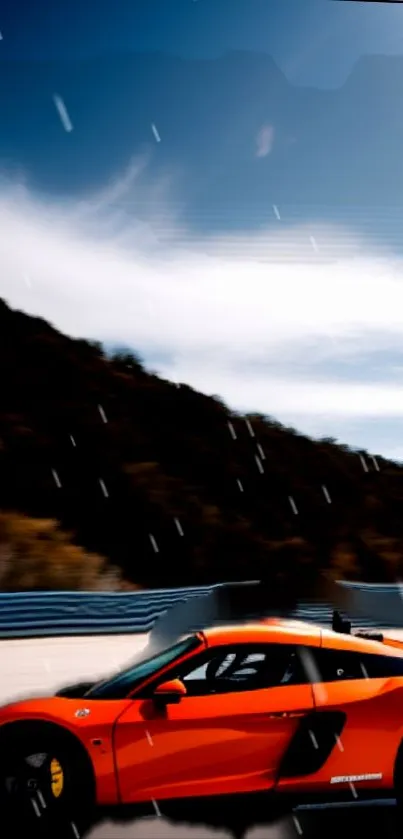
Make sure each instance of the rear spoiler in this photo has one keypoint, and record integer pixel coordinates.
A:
(339, 624)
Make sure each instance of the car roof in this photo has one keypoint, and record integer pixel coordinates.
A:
(270, 630)
(355, 643)
(280, 631)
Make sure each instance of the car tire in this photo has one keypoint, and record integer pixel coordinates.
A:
(47, 786)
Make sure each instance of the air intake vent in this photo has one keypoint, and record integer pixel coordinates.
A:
(312, 743)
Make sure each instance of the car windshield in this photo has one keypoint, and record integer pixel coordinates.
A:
(123, 683)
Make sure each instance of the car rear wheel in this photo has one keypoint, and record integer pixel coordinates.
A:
(46, 783)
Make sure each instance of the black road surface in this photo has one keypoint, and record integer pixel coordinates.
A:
(253, 820)
(358, 822)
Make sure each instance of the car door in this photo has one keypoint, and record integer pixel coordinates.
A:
(356, 686)
(226, 735)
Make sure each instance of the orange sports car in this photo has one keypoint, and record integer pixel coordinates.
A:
(271, 704)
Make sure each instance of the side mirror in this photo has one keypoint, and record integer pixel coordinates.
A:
(170, 693)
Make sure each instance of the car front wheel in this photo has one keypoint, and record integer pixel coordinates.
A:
(46, 783)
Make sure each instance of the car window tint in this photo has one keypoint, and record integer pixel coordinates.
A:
(338, 665)
(242, 668)
(381, 666)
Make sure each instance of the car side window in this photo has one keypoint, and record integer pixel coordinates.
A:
(382, 666)
(342, 665)
(339, 665)
(242, 668)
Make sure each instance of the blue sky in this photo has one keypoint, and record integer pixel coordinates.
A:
(216, 183)
(313, 41)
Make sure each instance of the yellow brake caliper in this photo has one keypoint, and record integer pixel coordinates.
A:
(57, 778)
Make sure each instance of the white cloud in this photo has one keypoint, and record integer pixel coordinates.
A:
(265, 141)
(234, 316)
(290, 397)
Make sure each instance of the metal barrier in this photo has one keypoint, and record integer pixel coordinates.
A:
(33, 614)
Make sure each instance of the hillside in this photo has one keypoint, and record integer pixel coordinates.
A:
(168, 485)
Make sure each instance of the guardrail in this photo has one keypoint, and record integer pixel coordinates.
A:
(33, 614)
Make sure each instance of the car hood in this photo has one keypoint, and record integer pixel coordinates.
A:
(74, 713)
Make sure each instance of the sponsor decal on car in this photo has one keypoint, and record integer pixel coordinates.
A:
(353, 779)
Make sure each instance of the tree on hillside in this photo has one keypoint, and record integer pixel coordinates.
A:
(36, 555)
(168, 484)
